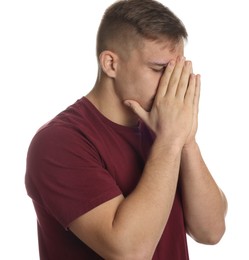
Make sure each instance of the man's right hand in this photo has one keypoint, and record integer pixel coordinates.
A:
(173, 112)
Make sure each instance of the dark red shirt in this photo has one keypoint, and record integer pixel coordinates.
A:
(79, 160)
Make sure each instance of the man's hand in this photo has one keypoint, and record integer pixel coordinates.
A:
(174, 113)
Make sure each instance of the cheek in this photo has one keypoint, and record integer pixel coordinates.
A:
(149, 90)
(150, 85)
(145, 93)
(139, 86)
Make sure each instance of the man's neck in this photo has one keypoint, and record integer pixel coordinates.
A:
(109, 105)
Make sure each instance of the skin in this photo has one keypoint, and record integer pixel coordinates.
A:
(155, 84)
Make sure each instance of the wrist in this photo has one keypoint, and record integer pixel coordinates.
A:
(191, 146)
(168, 144)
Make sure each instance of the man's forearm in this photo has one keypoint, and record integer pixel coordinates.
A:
(151, 202)
(204, 203)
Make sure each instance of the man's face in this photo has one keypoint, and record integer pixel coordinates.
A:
(139, 75)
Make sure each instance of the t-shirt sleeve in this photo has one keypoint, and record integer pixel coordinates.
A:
(67, 175)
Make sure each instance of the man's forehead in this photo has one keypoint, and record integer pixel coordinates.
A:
(160, 53)
(162, 46)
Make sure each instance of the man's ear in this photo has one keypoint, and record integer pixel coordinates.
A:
(108, 61)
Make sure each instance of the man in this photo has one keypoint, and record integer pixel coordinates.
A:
(119, 174)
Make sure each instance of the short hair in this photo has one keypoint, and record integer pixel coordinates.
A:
(126, 22)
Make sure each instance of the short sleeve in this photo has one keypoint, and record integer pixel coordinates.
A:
(66, 173)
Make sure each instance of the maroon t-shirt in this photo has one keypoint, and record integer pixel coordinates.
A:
(79, 160)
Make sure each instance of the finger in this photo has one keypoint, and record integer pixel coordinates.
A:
(164, 82)
(191, 89)
(197, 93)
(184, 80)
(175, 77)
(137, 109)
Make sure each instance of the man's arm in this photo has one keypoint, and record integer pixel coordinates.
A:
(204, 203)
(130, 228)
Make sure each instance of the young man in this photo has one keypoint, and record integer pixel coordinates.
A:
(118, 174)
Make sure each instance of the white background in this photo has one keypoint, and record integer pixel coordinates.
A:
(47, 61)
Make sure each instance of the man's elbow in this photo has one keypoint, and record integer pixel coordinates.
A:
(211, 236)
(211, 239)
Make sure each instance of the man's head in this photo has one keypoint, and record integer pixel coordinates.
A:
(127, 22)
(136, 40)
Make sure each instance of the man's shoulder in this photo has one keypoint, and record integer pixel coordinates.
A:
(74, 117)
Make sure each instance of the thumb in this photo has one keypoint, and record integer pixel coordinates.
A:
(137, 109)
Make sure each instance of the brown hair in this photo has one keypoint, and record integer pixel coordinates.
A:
(127, 21)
